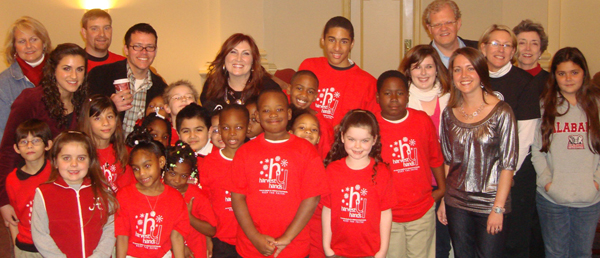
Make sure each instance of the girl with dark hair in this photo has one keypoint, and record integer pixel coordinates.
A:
(235, 75)
(566, 154)
(355, 173)
(98, 119)
(154, 126)
(479, 143)
(344, 85)
(76, 194)
(56, 101)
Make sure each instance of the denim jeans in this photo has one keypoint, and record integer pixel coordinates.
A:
(567, 231)
(470, 239)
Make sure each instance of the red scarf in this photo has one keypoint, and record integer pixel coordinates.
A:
(34, 74)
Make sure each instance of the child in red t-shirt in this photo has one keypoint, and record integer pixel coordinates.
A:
(193, 123)
(233, 124)
(411, 147)
(176, 96)
(276, 183)
(303, 91)
(153, 218)
(353, 227)
(344, 86)
(33, 140)
(181, 165)
(99, 120)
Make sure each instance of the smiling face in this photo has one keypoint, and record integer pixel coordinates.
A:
(273, 115)
(28, 46)
(569, 77)
(307, 126)
(69, 74)
(496, 54)
(97, 35)
(177, 176)
(358, 143)
(181, 96)
(140, 61)
(303, 91)
(103, 127)
(393, 99)
(147, 169)
(232, 128)
(194, 132)
(464, 75)
(444, 27)
(423, 75)
(337, 45)
(529, 46)
(73, 162)
(238, 61)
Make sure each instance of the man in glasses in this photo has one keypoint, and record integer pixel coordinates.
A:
(96, 30)
(130, 83)
(442, 19)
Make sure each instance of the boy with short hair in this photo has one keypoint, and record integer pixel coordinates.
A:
(233, 123)
(33, 139)
(276, 183)
(193, 123)
(411, 148)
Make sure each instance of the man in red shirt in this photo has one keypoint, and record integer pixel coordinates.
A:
(96, 30)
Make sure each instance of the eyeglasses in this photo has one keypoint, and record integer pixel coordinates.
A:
(140, 48)
(497, 44)
(439, 25)
(34, 142)
(183, 98)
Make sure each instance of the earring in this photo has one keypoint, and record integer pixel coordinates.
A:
(482, 85)
(223, 67)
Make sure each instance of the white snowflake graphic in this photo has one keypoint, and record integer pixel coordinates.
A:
(405, 139)
(337, 95)
(357, 187)
(320, 94)
(284, 163)
(347, 189)
(277, 158)
(412, 142)
(159, 219)
(113, 168)
(332, 89)
(265, 167)
(363, 192)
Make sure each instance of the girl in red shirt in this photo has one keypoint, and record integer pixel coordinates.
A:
(181, 165)
(98, 119)
(353, 227)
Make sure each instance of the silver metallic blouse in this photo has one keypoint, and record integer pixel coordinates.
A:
(476, 153)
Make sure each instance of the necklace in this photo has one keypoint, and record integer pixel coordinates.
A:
(152, 212)
(239, 101)
(471, 116)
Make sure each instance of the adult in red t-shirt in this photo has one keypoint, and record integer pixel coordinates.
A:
(281, 174)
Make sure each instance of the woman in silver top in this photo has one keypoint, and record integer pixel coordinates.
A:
(480, 146)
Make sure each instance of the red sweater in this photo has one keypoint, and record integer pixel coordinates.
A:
(341, 90)
(281, 175)
(149, 230)
(354, 221)
(411, 148)
(74, 217)
(213, 176)
(95, 61)
(20, 187)
(201, 209)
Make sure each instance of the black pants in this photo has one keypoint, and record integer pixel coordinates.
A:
(469, 234)
(223, 250)
(522, 227)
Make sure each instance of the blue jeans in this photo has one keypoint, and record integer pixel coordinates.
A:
(470, 239)
(567, 232)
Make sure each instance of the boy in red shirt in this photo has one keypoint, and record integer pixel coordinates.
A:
(33, 140)
(411, 148)
(233, 124)
(193, 124)
(275, 170)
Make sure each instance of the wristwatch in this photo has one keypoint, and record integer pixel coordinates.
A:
(499, 210)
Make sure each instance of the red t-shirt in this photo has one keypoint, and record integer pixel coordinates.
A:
(275, 178)
(213, 176)
(111, 58)
(202, 210)
(20, 188)
(411, 148)
(115, 175)
(341, 89)
(149, 229)
(326, 135)
(354, 221)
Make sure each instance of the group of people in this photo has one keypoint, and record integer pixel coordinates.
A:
(467, 145)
